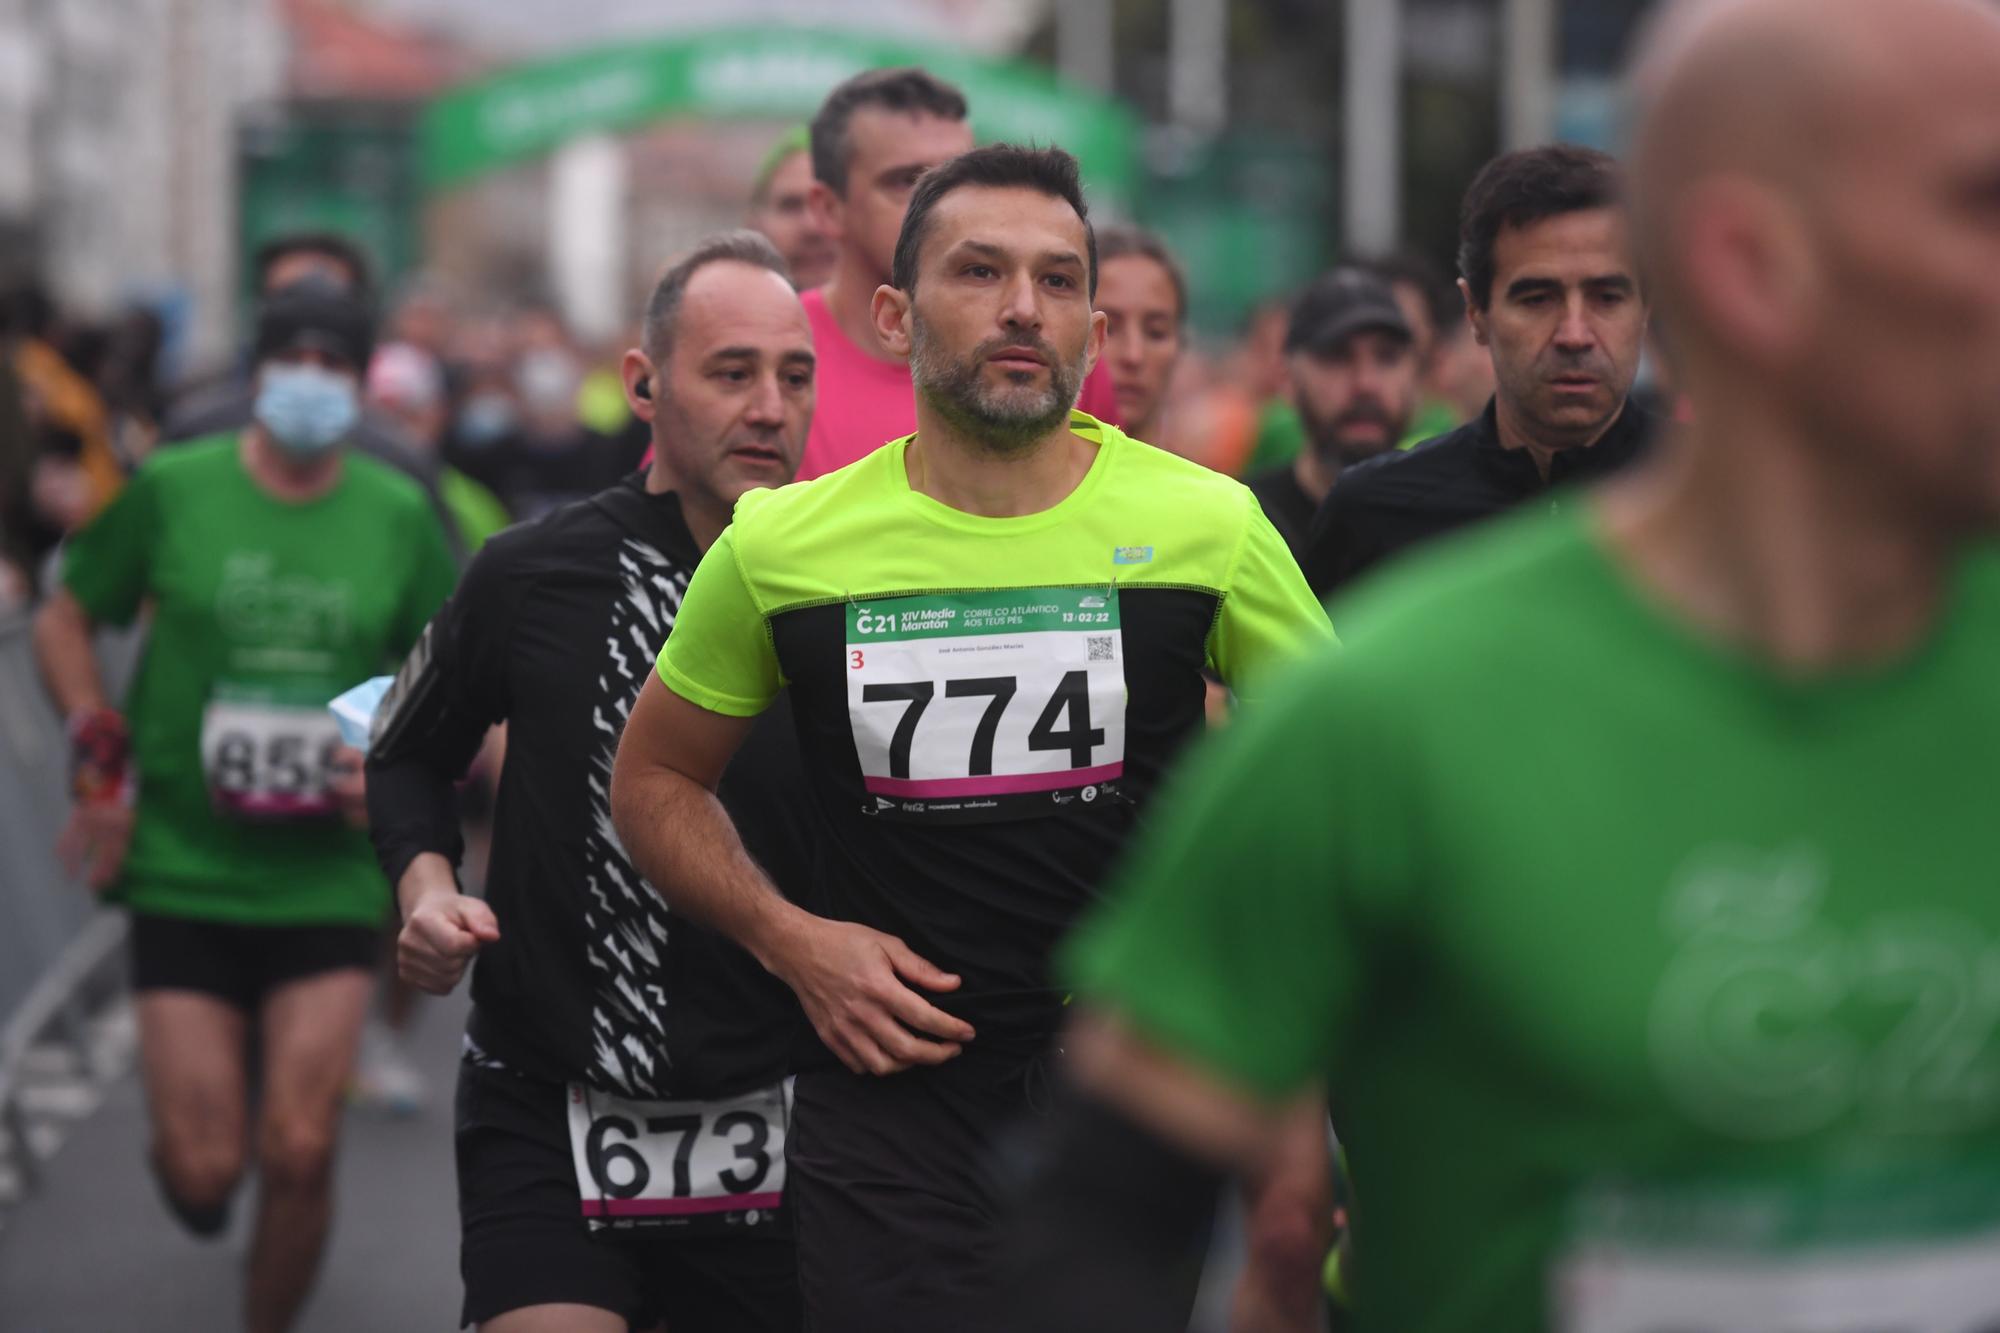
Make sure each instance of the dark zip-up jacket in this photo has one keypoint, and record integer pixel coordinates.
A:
(593, 980)
(1386, 505)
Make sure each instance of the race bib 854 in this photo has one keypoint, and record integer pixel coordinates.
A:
(988, 705)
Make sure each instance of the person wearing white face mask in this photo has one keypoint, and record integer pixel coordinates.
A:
(278, 569)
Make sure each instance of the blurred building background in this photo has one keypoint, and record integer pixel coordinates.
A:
(546, 149)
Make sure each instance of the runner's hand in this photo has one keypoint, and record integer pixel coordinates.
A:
(94, 841)
(851, 981)
(439, 939)
(349, 785)
(1288, 1231)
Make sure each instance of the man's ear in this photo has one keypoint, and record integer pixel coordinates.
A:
(891, 315)
(1093, 346)
(1475, 315)
(829, 213)
(642, 384)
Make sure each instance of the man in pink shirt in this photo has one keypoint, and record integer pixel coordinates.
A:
(873, 137)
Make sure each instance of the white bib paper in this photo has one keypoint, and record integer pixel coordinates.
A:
(269, 761)
(678, 1163)
(980, 706)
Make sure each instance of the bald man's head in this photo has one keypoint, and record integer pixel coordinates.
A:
(1818, 191)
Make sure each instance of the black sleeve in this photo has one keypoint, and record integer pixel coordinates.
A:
(1334, 550)
(450, 690)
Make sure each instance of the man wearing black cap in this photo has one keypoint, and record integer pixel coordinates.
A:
(1552, 292)
(278, 570)
(1353, 364)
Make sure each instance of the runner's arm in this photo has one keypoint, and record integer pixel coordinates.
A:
(106, 576)
(717, 671)
(851, 980)
(450, 690)
(105, 579)
(67, 660)
(675, 830)
(448, 693)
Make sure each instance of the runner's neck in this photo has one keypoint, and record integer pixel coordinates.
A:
(1758, 537)
(965, 474)
(850, 299)
(705, 517)
(283, 479)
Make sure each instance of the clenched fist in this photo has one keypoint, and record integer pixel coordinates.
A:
(439, 939)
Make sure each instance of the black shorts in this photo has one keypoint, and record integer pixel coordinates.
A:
(898, 1188)
(242, 964)
(524, 1241)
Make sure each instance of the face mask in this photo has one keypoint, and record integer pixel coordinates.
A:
(306, 409)
(485, 419)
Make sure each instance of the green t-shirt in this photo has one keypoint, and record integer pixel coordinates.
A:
(1645, 981)
(262, 611)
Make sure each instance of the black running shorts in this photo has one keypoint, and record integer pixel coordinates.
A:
(242, 964)
(524, 1241)
(898, 1188)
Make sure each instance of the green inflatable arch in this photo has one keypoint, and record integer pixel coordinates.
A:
(754, 73)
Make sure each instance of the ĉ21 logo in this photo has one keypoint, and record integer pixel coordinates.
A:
(873, 622)
(1771, 1020)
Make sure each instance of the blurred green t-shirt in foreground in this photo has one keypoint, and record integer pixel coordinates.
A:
(1653, 989)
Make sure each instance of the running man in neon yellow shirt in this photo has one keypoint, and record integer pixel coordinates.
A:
(994, 633)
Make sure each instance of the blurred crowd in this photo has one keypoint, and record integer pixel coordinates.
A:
(499, 409)
(504, 413)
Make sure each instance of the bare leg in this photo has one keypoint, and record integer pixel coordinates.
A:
(191, 1053)
(556, 1319)
(399, 998)
(311, 1027)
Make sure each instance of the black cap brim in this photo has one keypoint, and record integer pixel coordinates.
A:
(1329, 333)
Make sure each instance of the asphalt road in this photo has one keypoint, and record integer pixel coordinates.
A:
(95, 1250)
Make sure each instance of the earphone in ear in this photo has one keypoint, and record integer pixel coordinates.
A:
(643, 388)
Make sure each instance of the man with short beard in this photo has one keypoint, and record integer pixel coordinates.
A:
(1353, 363)
(1552, 291)
(993, 632)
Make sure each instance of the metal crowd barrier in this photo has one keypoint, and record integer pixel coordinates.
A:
(60, 953)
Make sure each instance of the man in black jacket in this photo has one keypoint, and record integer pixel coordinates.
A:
(1552, 291)
(622, 1106)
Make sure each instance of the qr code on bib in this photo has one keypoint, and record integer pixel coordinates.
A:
(1100, 647)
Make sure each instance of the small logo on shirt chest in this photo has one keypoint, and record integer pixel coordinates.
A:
(1131, 555)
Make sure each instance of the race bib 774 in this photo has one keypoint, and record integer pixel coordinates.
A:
(978, 706)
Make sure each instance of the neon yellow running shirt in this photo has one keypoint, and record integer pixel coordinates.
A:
(984, 704)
